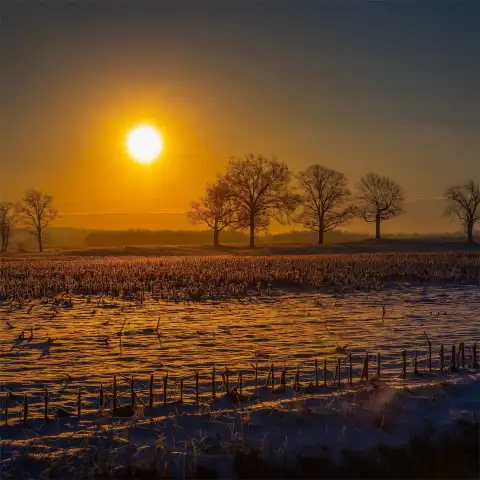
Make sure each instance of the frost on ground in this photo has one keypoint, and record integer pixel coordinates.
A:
(80, 343)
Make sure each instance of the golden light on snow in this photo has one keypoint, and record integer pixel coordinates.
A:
(144, 144)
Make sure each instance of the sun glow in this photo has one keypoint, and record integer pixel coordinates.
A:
(144, 144)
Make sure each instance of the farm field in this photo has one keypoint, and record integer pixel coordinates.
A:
(72, 324)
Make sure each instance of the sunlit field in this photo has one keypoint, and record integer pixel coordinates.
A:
(196, 339)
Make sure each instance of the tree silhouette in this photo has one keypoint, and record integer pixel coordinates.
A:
(8, 219)
(38, 211)
(324, 194)
(463, 201)
(216, 209)
(379, 198)
(260, 190)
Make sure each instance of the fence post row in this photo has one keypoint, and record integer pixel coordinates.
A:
(457, 359)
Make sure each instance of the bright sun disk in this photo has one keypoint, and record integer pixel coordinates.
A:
(144, 144)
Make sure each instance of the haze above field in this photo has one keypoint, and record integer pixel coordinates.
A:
(388, 87)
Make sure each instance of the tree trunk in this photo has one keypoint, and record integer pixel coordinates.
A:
(216, 234)
(377, 226)
(470, 232)
(252, 232)
(40, 241)
(321, 227)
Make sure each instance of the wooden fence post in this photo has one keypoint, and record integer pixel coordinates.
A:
(339, 370)
(273, 378)
(429, 352)
(415, 364)
(181, 390)
(365, 368)
(102, 396)
(25, 410)
(132, 394)
(115, 399)
(6, 410)
(256, 377)
(475, 363)
(325, 372)
(404, 368)
(453, 367)
(79, 404)
(350, 374)
(150, 391)
(214, 393)
(379, 365)
(196, 388)
(45, 402)
(316, 373)
(442, 358)
(165, 386)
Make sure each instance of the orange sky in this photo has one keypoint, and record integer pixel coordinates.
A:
(356, 90)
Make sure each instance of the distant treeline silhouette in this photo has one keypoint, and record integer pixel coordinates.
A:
(247, 195)
(254, 189)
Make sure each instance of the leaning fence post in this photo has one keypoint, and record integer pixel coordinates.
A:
(150, 392)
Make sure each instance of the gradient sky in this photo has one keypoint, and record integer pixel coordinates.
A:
(391, 87)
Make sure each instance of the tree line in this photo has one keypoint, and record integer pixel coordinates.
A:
(34, 212)
(254, 189)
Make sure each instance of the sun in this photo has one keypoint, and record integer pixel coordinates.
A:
(144, 144)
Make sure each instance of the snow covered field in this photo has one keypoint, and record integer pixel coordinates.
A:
(82, 343)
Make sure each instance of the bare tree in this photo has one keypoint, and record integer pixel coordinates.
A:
(260, 189)
(38, 211)
(463, 201)
(8, 219)
(379, 198)
(216, 209)
(323, 200)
